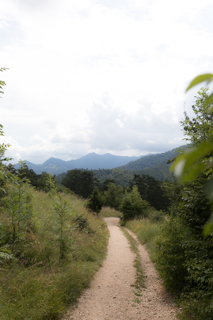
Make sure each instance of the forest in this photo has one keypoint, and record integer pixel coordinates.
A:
(53, 239)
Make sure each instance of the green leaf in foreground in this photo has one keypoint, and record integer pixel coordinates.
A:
(186, 168)
(208, 77)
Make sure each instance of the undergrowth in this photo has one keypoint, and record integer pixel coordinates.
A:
(54, 262)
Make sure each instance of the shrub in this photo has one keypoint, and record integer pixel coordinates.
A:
(133, 205)
(95, 201)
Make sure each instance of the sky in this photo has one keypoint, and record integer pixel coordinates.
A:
(104, 76)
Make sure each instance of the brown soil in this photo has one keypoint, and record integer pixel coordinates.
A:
(111, 295)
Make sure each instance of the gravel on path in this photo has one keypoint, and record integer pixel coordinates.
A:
(111, 294)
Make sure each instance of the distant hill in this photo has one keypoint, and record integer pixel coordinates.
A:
(91, 161)
(151, 161)
(154, 165)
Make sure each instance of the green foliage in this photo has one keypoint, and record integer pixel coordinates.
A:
(151, 191)
(113, 196)
(195, 161)
(81, 182)
(208, 77)
(46, 285)
(5, 254)
(133, 206)
(117, 176)
(47, 182)
(62, 209)
(2, 83)
(95, 202)
(152, 161)
(199, 128)
(185, 256)
(105, 184)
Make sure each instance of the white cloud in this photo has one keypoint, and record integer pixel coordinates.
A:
(84, 75)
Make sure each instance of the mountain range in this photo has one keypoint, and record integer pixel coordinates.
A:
(108, 166)
(91, 161)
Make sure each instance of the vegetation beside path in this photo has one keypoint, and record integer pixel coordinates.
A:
(53, 260)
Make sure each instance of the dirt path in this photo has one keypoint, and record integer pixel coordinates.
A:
(111, 295)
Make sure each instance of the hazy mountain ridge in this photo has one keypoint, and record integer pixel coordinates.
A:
(91, 161)
(152, 160)
(154, 165)
(108, 166)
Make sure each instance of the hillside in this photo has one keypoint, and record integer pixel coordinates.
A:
(154, 165)
(151, 161)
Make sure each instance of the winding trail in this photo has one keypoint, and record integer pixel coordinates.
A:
(111, 295)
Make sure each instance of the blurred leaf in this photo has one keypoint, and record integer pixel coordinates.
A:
(203, 77)
(187, 160)
(209, 190)
(208, 226)
(194, 172)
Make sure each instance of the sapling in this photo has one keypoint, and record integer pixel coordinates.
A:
(19, 209)
(62, 209)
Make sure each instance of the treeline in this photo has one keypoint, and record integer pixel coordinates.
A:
(85, 184)
(45, 181)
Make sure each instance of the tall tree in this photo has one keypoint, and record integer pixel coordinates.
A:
(133, 205)
(95, 202)
(113, 196)
(150, 190)
(81, 182)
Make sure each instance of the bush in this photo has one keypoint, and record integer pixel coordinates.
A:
(185, 257)
(95, 201)
(133, 206)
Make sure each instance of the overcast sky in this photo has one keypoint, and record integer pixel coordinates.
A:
(100, 75)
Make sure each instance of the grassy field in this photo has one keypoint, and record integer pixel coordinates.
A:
(55, 260)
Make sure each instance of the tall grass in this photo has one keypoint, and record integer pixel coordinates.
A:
(148, 233)
(109, 212)
(40, 285)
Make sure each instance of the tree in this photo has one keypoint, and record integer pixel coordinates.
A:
(196, 160)
(113, 196)
(151, 191)
(133, 205)
(185, 256)
(47, 182)
(81, 182)
(95, 202)
(199, 129)
(105, 184)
